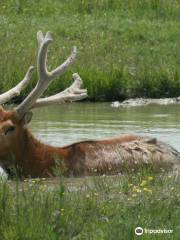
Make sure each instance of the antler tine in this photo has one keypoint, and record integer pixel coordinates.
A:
(40, 37)
(15, 91)
(61, 69)
(45, 77)
(73, 93)
(43, 42)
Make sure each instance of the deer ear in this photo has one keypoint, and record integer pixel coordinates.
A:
(27, 118)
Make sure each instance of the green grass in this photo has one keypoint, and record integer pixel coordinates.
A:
(125, 48)
(90, 208)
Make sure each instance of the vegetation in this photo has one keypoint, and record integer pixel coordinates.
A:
(125, 48)
(90, 208)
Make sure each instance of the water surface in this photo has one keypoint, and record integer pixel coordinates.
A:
(64, 124)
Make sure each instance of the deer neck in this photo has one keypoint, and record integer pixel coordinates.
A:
(36, 159)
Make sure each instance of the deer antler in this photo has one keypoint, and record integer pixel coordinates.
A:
(72, 93)
(15, 91)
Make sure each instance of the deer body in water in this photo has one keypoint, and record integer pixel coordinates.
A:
(32, 158)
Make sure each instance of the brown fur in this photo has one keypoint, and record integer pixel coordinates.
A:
(35, 159)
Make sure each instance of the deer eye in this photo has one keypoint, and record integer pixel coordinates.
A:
(9, 129)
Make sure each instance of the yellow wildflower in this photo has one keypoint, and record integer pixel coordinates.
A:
(134, 188)
(88, 196)
(134, 195)
(138, 190)
(147, 190)
(143, 183)
(150, 178)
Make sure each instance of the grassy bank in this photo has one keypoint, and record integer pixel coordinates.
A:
(125, 48)
(91, 208)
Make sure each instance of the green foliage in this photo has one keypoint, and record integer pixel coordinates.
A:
(92, 208)
(125, 48)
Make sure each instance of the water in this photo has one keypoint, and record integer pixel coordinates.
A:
(64, 124)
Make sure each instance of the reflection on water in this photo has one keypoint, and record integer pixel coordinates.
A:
(64, 124)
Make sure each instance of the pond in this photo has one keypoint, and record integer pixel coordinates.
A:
(64, 124)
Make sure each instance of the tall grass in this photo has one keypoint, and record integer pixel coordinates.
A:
(125, 48)
(91, 208)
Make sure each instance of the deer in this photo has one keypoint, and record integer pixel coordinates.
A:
(32, 158)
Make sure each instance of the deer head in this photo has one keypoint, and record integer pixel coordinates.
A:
(12, 123)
